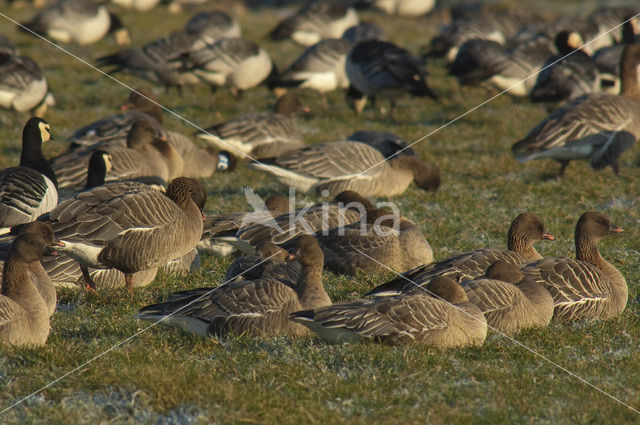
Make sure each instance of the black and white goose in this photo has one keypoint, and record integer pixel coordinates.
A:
(316, 21)
(77, 21)
(23, 87)
(598, 127)
(213, 25)
(381, 69)
(29, 190)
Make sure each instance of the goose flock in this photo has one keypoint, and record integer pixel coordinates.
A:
(127, 198)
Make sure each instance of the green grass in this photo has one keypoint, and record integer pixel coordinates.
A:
(166, 376)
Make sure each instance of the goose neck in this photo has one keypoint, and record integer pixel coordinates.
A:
(522, 245)
(310, 289)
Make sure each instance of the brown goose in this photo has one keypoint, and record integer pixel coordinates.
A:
(344, 165)
(128, 226)
(525, 229)
(444, 318)
(271, 262)
(508, 301)
(598, 127)
(253, 307)
(385, 241)
(588, 287)
(24, 314)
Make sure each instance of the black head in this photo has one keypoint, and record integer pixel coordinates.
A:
(99, 165)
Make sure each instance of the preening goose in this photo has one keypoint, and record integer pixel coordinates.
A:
(316, 21)
(379, 68)
(525, 229)
(129, 226)
(236, 63)
(340, 166)
(508, 300)
(77, 21)
(23, 87)
(588, 287)
(259, 135)
(252, 307)
(598, 127)
(440, 315)
(29, 190)
(24, 314)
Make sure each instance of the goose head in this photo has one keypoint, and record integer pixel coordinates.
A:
(289, 104)
(525, 229)
(32, 247)
(277, 204)
(308, 252)
(506, 272)
(185, 190)
(143, 100)
(143, 133)
(353, 200)
(271, 251)
(425, 176)
(594, 225)
(100, 164)
(447, 289)
(36, 131)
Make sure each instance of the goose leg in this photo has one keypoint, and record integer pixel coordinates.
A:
(128, 281)
(616, 167)
(89, 284)
(563, 167)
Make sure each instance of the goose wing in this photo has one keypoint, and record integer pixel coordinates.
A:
(11, 311)
(25, 194)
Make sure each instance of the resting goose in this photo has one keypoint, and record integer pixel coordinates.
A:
(379, 68)
(316, 21)
(24, 314)
(271, 262)
(588, 287)
(29, 190)
(129, 226)
(440, 315)
(510, 302)
(77, 21)
(340, 166)
(213, 25)
(525, 229)
(236, 63)
(364, 31)
(23, 87)
(251, 307)
(387, 143)
(259, 135)
(598, 127)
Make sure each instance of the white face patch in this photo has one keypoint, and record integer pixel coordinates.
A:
(45, 132)
(107, 162)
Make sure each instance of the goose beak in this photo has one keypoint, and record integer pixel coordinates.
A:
(51, 248)
(125, 107)
(548, 237)
(291, 256)
(615, 229)
(204, 216)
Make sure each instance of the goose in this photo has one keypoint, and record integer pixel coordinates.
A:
(77, 21)
(363, 31)
(129, 226)
(320, 67)
(604, 19)
(510, 302)
(334, 167)
(607, 59)
(38, 273)
(7, 47)
(588, 287)
(566, 77)
(525, 229)
(220, 230)
(404, 7)
(23, 87)
(598, 127)
(252, 307)
(213, 25)
(271, 262)
(29, 190)
(388, 144)
(236, 63)
(316, 21)
(24, 314)
(261, 135)
(442, 317)
(379, 68)
(385, 241)
(146, 154)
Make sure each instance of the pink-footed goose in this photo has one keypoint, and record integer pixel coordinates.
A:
(440, 315)
(525, 229)
(271, 262)
(588, 287)
(24, 314)
(252, 307)
(508, 300)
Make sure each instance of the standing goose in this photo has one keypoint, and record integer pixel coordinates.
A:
(23, 87)
(598, 127)
(588, 287)
(252, 307)
(340, 166)
(29, 190)
(379, 68)
(510, 302)
(442, 317)
(236, 63)
(128, 226)
(525, 229)
(316, 21)
(259, 135)
(24, 314)
(77, 21)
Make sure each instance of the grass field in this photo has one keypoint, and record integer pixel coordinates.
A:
(164, 376)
